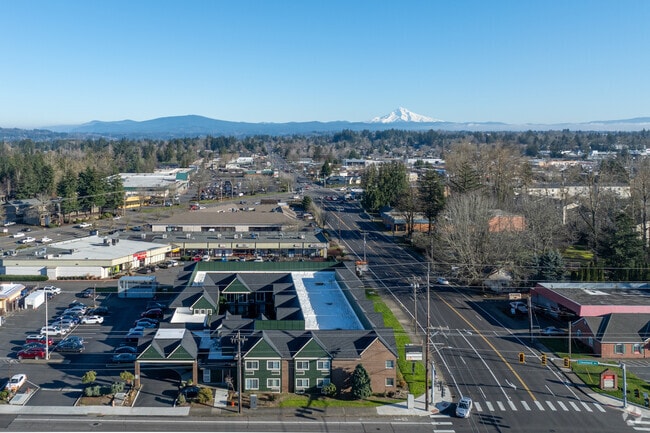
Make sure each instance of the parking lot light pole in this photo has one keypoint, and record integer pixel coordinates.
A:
(47, 334)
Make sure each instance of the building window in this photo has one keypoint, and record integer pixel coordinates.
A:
(323, 364)
(321, 382)
(619, 348)
(272, 365)
(252, 365)
(636, 348)
(390, 364)
(302, 365)
(252, 383)
(273, 384)
(390, 381)
(302, 384)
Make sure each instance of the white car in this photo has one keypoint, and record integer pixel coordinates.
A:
(27, 240)
(16, 382)
(443, 281)
(83, 225)
(45, 239)
(52, 330)
(464, 407)
(18, 235)
(52, 289)
(92, 320)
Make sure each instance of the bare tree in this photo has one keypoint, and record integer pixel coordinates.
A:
(640, 191)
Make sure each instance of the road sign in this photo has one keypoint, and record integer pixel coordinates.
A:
(587, 362)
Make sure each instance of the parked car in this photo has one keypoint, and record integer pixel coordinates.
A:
(190, 392)
(552, 330)
(145, 324)
(171, 263)
(83, 225)
(518, 307)
(65, 325)
(124, 357)
(98, 311)
(16, 382)
(52, 330)
(75, 338)
(136, 229)
(155, 304)
(126, 349)
(32, 353)
(464, 407)
(92, 320)
(76, 303)
(69, 346)
(74, 318)
(88, 293)
(39, 338)
(135, 332)
(154, 313)
(442, 281)
(33, 344)
(52, 289)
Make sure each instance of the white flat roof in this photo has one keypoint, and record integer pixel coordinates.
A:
(94, 248)
(170, 333)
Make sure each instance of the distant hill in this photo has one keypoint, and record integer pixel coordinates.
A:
(193, 125)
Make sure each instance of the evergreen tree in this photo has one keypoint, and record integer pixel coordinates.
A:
(550, 266)
(621, 247)
(361, 383)
(432, 195)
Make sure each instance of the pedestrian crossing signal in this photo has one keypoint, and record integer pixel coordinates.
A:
(522, 357)
(543, 359)
(567, 363)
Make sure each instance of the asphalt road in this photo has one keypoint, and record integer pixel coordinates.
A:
(475, 345)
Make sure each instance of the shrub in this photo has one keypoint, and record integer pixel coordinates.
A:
(181, 399)
(89, 377)
(93, 391)
(4, 394)
(329, 390)
(117, 387)
(205, 395)
(127, 376)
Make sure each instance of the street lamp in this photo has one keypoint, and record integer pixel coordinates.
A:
(415, 285)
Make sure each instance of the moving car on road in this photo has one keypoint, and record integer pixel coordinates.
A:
(120, 358)
(464, 407)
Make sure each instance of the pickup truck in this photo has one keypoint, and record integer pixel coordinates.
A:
(18, 235)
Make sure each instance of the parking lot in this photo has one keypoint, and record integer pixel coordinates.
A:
(58, 381)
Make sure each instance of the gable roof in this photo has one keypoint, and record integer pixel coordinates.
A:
(620, 327)
(171, 344)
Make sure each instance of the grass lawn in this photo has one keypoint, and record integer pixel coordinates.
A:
(414, 376)
(590, 374)
(305, 400)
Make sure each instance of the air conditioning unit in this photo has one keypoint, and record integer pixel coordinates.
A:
(164, 236)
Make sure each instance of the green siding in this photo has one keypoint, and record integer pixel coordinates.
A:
(312, 350)
(236, 286)
(262, 350)
(203, 303)
(180, 354)
(150, 354)
(289, 325)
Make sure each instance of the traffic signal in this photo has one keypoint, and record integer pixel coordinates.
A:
(567, 362)
(522, 357)
(543, 359)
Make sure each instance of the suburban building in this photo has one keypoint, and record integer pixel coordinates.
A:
(298, 326)
(611, 318)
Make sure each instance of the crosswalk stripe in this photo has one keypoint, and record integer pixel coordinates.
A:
(539, 404)
(575, 406)
(550, 404)
(512, 405)
(586, 406)
(438, 415)
(489, 405)
(501, 406)
(525, 405)
(563, 406)
(599, 407)
(478, 407)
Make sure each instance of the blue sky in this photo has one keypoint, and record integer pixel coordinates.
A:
(68, 62)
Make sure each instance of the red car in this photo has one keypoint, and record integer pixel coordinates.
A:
(32, 353)
(38, 339)
(154, 313)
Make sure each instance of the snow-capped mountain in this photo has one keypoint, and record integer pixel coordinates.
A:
(403, 115)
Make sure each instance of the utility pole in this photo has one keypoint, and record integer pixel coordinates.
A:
(426, 347)
(364, 246)
(239, 340)
(415, 286)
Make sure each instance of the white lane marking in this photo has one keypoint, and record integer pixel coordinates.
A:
(550, 404)
(586, 406)
(489, 406)
(525, 405)
(501, 406)
(539, 404)
(599, 407)
(442, 423)
(512, 405)
(478, 407)
(575, 406)
(563, 406)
